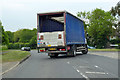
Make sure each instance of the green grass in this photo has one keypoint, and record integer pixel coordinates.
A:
(12, 55)
(104, 49)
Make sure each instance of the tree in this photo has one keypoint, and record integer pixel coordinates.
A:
(24, 35)
(100, 27)
(115, 11)
(17, 36)
(33, 42)
(10, 36)
(3, 36)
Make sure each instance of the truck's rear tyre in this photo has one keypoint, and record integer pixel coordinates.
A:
(73, 51)
(85, 51)
(38, 51)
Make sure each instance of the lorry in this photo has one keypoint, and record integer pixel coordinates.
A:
(60, 33)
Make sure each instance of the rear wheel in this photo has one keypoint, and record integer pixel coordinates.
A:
(38, 51)
(72, 51)
(85, 51)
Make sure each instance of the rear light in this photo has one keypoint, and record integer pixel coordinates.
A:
(61, 49)
(59, 36)
(68, 47)
(42, 50)
(41, 37)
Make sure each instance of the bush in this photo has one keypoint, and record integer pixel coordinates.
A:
(4, 47)
(33, 42)
(18, 45)
(115, 41)
(26, 45)
(119, 46)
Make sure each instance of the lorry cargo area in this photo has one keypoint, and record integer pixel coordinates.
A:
(60, 32)
(51, 23)
(51, 30)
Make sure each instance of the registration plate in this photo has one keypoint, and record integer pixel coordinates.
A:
(52, 49)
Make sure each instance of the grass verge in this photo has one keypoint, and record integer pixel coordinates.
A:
(11, 55)
(103, 49)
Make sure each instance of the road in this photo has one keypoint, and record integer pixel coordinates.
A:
(82, 66)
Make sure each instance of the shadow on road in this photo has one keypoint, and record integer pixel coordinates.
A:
(65, 56)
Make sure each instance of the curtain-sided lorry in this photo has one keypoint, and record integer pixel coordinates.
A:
(60, 33)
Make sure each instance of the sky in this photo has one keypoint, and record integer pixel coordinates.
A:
(21, 14)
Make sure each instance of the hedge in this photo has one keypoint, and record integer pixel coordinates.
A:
(4, 47)
(19, 45)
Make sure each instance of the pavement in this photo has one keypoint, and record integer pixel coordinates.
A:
(8, 65)
(109, 54)
(91, 65)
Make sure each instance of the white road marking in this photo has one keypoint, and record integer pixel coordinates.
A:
(68, 62)
(81, 73)
(78, 71)
(96, 66)
(105, 71)
(84, 76)
(96, 73)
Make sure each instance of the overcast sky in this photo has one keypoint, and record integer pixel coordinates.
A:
(19, 14)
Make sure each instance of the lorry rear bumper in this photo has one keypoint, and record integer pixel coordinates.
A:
(60, 52)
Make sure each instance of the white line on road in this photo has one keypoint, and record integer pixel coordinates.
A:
(84, 76)
(105, 70)
(68, 62)
(96, 66)
(96, 73)
(78, 71)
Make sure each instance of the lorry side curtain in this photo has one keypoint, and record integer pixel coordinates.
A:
(49, 25)
(74, 30)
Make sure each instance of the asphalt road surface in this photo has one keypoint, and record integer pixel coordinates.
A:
(39, 65)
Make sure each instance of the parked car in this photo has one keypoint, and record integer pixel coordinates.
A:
(90, 47)
(25, 49)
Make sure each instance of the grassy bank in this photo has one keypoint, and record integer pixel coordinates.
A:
(12, 55)
(104, 49)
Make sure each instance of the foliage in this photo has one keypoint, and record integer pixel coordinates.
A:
(4, 47)
(115, 41)
(33, 42)
(10, 36)
(24, 35)
(17, 45)
(115, 11)
(4, 36)
(99, 27)
(119, 46)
